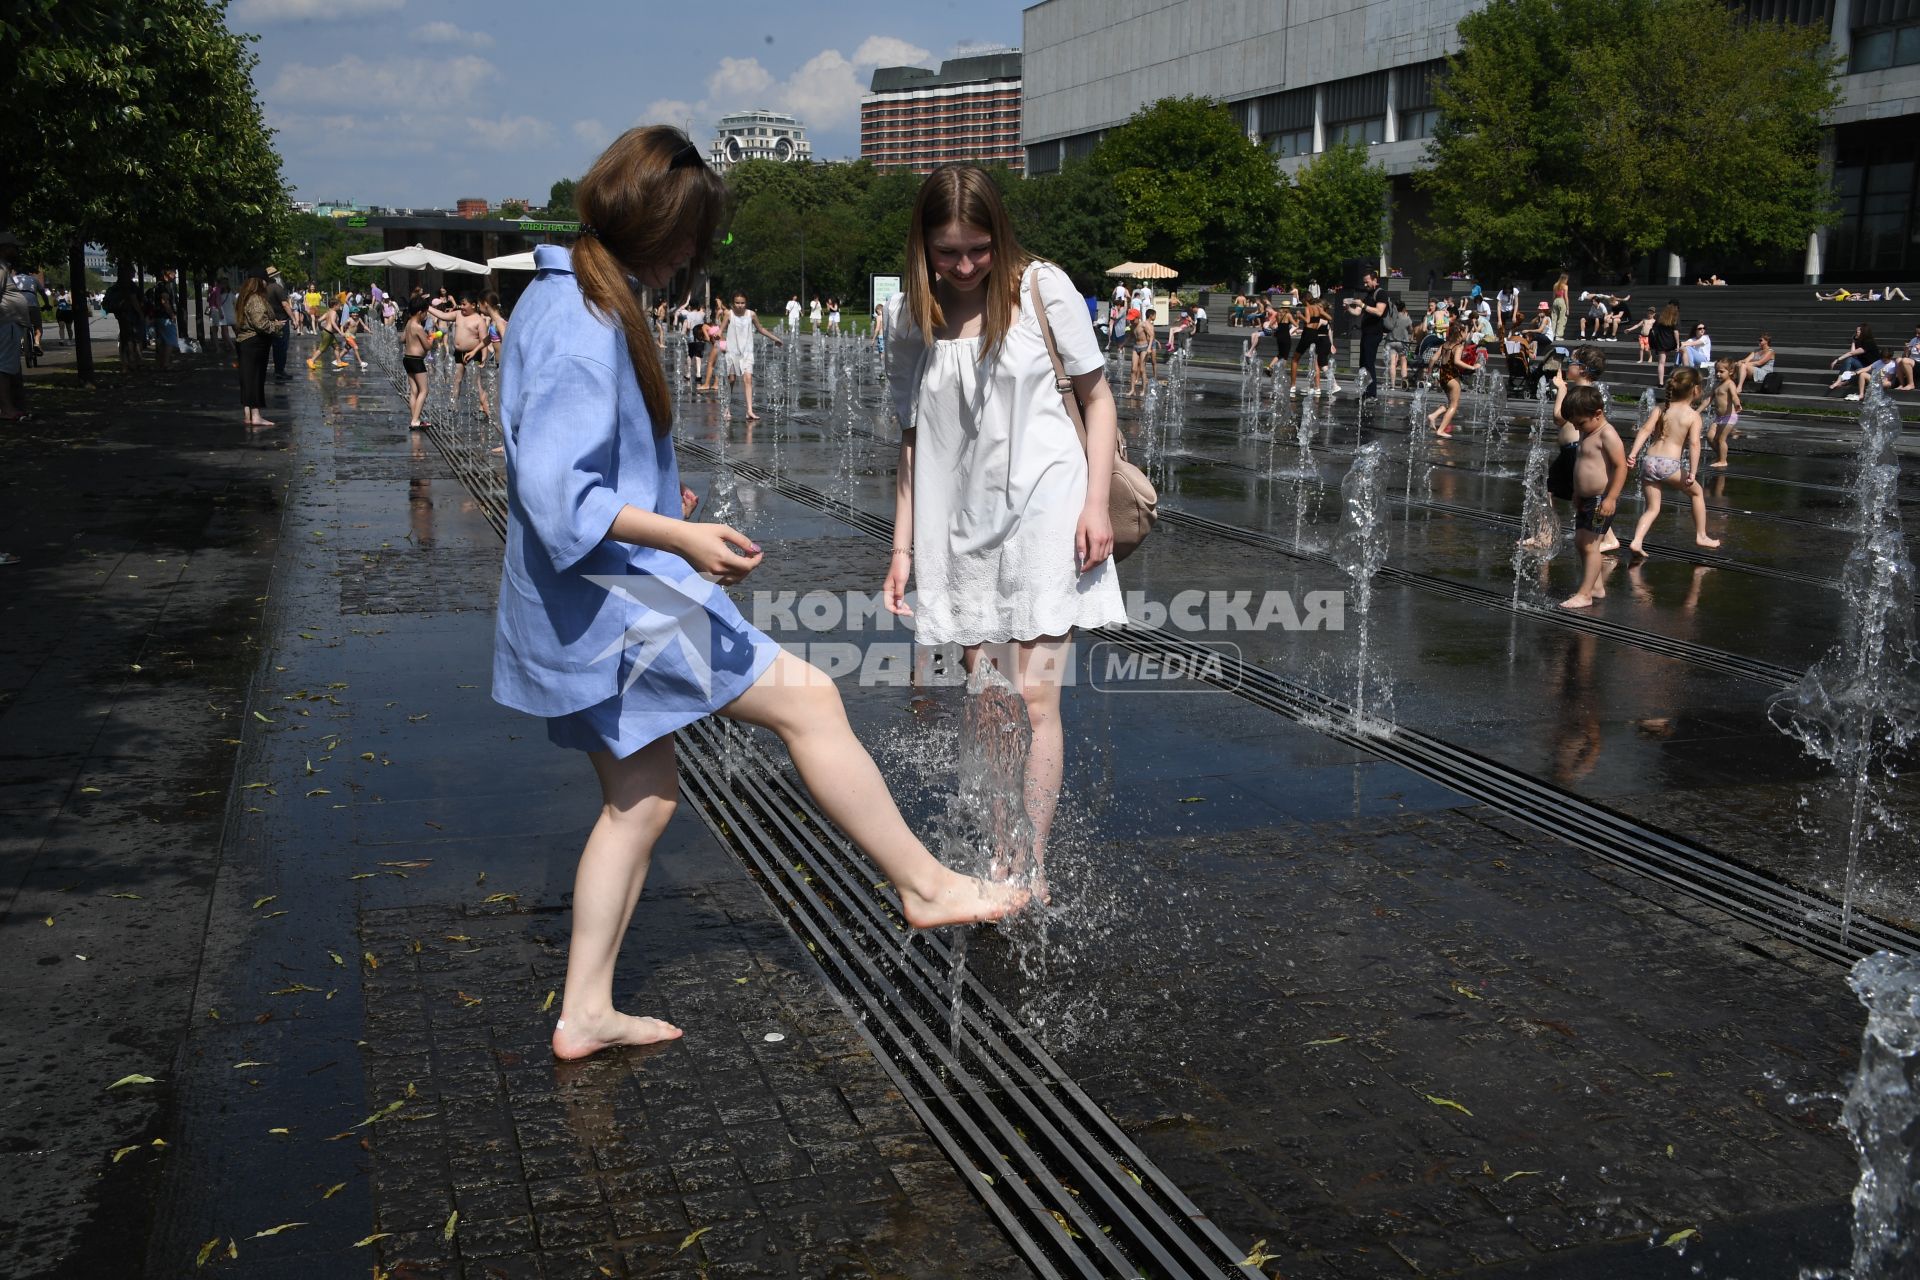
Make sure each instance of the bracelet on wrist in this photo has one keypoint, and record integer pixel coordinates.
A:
(902, 551)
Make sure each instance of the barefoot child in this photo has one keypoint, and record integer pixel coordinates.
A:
(1726, 412)
(1671, 439)
(1598, 476)
(742, 324)
(1580, 370)
(1450, 365)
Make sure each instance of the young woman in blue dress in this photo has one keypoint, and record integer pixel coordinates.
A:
(611, 625)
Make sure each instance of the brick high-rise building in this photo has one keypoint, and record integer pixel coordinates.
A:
(967, 111)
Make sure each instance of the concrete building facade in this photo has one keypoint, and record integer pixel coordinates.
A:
(968, 111)
(758, 135)
(1301, 75)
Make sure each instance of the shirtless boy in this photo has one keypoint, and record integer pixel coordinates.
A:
(469, 343)
(1672, 459)
(1598, 476)
(1582, 367)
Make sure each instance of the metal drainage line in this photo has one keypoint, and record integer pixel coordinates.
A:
(1506, 521)
(1796, 914)
(914, 1043)
(1702, 655)
(1683, 650)
(998, 1032)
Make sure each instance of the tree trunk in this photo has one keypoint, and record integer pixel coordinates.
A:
(82, 311)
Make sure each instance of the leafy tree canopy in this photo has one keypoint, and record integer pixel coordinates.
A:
(1194, 191)
(560, 199)
(1335, 209)
(1591, 132)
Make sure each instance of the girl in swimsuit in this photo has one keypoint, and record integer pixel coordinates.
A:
(1139, 338)
(1316, 336)
(1448, 368)
(1671, 438)
(1726, 411)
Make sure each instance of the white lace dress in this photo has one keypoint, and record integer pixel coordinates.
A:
(999, 478)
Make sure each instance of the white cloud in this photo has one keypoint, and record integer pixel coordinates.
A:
(739, 81)
(509, 133)
(824, 92)
(592, 132)
(888, 51)
(452, 33)
(395, 82)
(674, 111)
(267, 12)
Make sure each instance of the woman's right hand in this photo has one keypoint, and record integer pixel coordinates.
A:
(718, 551)
(894, 592)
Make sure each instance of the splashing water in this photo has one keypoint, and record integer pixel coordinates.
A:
(1882, 1117)
(1417, 431)
(1360, 549)
(1539, 528)
(1860, 703)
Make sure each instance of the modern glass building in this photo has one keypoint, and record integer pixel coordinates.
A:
(1301, 75)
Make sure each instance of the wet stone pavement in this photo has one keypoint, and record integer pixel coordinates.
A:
(1371, 1027)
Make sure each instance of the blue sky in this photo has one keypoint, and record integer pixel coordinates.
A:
(412, 103)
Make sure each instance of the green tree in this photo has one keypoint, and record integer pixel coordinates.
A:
(511, 209)
(1335, 209)
(560, 199)
(1194, 191)
(1070, 218)
(1586, 133)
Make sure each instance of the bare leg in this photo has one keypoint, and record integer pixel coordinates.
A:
(746, 380)
(1040, 667)
(1592, 567)
(1650, 495)
(638, 799)
(800, 703)
(1699, 497)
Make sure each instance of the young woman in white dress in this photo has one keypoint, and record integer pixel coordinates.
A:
(1000, 513)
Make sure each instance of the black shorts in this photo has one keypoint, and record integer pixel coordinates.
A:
(1587, 517)
(696, 350)
(414, 364)
(468, 357)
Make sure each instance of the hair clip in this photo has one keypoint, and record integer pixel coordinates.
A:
(588, 229)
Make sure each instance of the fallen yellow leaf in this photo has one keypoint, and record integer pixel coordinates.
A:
(333, 1191)
(123, 1152)
(1446, 1102)
(453, 1220)
(1679, 1238)
(274, 1231)
(1258, 1255)
(134, 1079)
(1521, 1173)
(1333, 1040)
(378, 1235)
(249, 1063)
(288, 1131)
(206, 1251)
(261, 902)
(691, 1237)
(548, 1004)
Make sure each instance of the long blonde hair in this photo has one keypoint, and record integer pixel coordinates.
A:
(964, 194)
(644, 199)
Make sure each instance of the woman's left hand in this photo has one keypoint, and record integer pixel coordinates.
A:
(689, 500)
(1093, 538)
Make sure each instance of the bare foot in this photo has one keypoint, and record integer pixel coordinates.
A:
(962, 900)
(587, 1036)
(261, 425)
(1609, 543)
(1532, 544)
(1717, 465)
(1577, 602)
(1639, 552)
(1704, 541)
(752, 416)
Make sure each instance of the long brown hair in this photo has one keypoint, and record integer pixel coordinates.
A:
(250, 288)
(1670, 314)
(964, 194)
(1681, 384)
(646, 198)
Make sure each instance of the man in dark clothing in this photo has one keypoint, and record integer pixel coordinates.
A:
(1371, 307)
(277, 304)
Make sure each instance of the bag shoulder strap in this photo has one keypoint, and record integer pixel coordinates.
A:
(1061, 382)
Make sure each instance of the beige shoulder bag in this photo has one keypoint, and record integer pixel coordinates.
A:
(1132, 504)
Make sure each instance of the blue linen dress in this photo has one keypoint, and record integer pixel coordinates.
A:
(616, 645)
